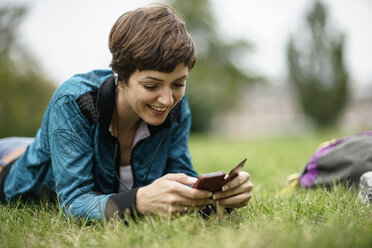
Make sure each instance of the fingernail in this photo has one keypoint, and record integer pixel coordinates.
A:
(215, 197)
(192, 180)
(224, 188)
(209, 195)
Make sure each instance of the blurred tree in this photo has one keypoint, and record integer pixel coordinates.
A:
(24, 92)
(214, 83)
(316, 68)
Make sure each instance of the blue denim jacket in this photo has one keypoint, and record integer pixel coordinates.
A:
(73, 154)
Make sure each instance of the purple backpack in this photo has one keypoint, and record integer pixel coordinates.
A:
(342, 160)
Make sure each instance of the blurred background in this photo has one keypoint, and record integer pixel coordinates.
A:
(264, 68)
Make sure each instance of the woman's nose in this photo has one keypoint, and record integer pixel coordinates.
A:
(166, 97)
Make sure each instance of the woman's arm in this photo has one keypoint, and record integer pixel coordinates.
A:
(71, 148)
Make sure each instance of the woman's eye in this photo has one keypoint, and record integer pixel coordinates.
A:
(150, 87)
(179, 85)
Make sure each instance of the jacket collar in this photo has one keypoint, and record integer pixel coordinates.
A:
(106, 103)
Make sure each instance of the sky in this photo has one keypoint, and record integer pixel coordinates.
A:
(70, 36)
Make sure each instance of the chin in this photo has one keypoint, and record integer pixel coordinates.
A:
(154, 121)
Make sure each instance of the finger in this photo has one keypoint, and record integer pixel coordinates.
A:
(181, 209)
(238, 180)
(245, 187)
(184, 201)
(181, 178)
(178, 200)
(235, 201)
(197, 202)
(191, 193)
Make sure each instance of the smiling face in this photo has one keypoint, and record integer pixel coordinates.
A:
(150, 95)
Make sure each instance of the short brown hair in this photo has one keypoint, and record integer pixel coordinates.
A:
(152, 38)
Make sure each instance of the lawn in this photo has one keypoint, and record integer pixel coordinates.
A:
(305, 218)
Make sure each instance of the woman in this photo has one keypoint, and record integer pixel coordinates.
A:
(115, 141)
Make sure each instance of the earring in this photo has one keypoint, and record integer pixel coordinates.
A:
(116, 78)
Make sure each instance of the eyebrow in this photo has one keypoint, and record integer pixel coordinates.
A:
(159, 80)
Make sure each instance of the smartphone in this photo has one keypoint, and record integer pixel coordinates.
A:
(213, 182)
(235, 171)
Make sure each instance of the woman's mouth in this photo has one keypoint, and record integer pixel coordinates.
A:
(157, 110)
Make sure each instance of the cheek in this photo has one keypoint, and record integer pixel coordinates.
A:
(145, 97)
(177, 95)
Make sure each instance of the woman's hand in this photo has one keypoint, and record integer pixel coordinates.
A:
(171, 194)
(236, 193)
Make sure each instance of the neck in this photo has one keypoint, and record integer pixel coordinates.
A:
(124, 118)
(125, 125)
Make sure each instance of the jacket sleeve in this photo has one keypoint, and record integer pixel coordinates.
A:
(71, 149)
(179, 158)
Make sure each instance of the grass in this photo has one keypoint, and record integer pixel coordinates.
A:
(306, 218)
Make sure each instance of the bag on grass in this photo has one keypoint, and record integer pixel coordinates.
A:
(343, 160)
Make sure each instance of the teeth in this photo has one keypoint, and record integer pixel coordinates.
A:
(158, 108)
